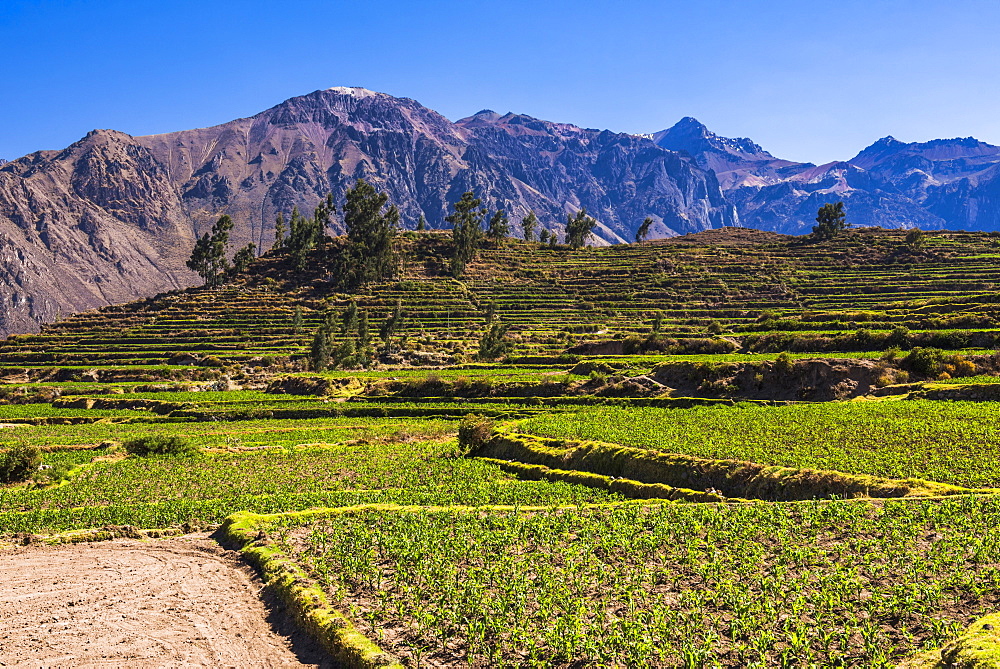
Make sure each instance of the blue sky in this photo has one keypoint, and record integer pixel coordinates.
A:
(807, 80)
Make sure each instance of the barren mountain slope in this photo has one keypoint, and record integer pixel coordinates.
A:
(94, 224)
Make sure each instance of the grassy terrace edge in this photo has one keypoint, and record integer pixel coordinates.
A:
(683, 474)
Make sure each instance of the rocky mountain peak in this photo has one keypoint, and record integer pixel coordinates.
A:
(689, 125)
(353, 91)
(878, 151)
(482, 118)
(690, 135)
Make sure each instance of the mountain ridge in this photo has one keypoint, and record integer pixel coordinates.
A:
(113, 217)
(938, 184)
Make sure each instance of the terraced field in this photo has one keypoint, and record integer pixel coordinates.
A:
(731, 449)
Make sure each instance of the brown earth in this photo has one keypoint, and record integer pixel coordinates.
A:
(166, 602)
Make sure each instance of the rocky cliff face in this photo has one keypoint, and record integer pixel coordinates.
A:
(947, 183)
(114, 217)
(96, 223)
(557, 168)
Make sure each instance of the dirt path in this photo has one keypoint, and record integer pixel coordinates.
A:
(165, 602)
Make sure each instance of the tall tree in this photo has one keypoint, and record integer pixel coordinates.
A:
(279, 231)
(321, 350)
(528, 225)
(392, 325)
(466, 231)
(364, 336)
(579, 228)
(243, 258)
(304, 233)
(499, 227)
(831, 220)
(208, 258)
(349, 320)
(643, 231)
(421, 223)
(371, 232)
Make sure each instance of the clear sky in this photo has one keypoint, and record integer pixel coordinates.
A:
(810, 81)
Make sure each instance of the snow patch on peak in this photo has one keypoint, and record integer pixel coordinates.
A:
(353, 91)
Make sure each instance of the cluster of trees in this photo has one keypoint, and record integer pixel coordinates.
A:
(304, 233)
(209, 258)
(368, 255)
(468, 232)
(372, 223)
(346, 341)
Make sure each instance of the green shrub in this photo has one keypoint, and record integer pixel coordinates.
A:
(632, 345)
(474, 431)
(924, 361)
(159, 445)
(19, 463)
(783, 364)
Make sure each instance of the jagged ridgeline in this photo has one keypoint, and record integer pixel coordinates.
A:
(722, 293)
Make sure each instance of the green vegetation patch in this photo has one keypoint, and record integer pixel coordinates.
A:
(204, 487)
(950, 442)
(732, 478)
(824, 583)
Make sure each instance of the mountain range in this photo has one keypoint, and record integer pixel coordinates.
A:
(113, 217)
(949, 184)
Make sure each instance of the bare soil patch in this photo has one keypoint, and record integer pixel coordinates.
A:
(165, 602)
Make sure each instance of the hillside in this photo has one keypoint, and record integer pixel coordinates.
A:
(112, 217)
(720, 291)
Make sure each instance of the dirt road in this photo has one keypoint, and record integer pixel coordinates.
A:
(164, 602)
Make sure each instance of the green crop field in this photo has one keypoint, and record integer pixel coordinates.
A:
(951, 442)
(603, 487)
(752, 585)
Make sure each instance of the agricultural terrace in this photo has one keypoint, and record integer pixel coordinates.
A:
(728, 449)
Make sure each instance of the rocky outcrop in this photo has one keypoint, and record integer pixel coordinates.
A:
(815, 380)
(94, 224)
